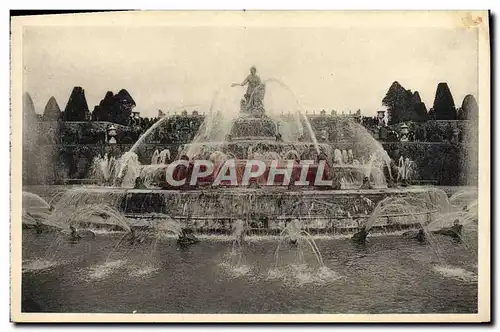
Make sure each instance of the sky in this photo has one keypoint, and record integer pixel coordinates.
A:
(170, 67)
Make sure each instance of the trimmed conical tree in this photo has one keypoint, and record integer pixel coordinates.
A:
(103, 111)
(30, 138)
(419, 112)
(444, 106)
(395, 101)
(399, 103)
(29, 118)
(108, 101)
(469, 109)
(52, 112)
(125, 103)
(77, 108)
(115, 108)
(28, 106)
(416, 97)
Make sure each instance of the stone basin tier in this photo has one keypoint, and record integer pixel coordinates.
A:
(267, 210)
(253, 128)
(340, 176)
(241, 147)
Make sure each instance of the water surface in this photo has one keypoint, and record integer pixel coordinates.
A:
(390, 274)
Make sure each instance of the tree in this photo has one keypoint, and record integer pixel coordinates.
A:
(125, 105)
(416, 98)
(469, 109)
(30, 135)
(103, 112)
(29, 119)
(52, 112)
(115, 108)
(403, 105)
(444, 106)
(396, 101)
(77, 108)
(28, 107)
(418, 111)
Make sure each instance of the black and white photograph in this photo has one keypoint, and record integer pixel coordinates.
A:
(314, 165)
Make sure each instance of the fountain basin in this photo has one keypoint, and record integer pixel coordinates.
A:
(267, 210)
(317, 175)
(240, 146)
(88, 281)
(261, 172)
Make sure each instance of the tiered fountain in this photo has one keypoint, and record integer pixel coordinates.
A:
(354, 167)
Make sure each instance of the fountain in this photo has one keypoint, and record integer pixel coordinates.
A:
(277, 170)
(34, 204)
(238, 236)
(302, 240)
(160, 157)
(258, 179)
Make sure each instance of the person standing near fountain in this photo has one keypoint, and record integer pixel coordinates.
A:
(253, 97)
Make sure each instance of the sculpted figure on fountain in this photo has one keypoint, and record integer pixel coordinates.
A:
(253, 100)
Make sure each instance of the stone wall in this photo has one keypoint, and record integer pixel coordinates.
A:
(437, 163)
(55, 152)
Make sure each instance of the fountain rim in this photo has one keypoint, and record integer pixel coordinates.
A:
(271, 190)
(259, 139)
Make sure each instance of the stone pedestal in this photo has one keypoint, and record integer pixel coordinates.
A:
(253, 128)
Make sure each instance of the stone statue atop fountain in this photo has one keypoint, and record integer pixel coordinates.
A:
(253, 101)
